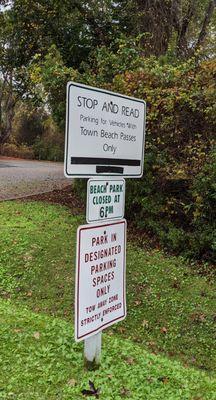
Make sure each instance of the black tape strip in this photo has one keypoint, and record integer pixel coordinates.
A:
(104, 161)
(109, 169)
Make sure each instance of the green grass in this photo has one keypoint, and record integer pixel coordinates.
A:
(171, 308)
(37, 255)
(40, 360)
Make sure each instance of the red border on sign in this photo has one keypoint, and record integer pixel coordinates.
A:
(86, 227)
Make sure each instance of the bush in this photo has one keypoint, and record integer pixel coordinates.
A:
(50, 146)
(14, 150)
(203, 240)
(181, 122)
(28, 123)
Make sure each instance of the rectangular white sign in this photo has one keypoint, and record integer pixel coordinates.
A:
(105, 199)
(105, 133)
(100, 277)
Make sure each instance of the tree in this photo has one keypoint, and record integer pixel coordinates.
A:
(7, 96)
(7, 104)
(182, 23)
(75, 27)
(29, 28)
(188, 43)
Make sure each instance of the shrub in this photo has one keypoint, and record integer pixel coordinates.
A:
(28, 123)
(181, 122)
(203, 240)
(50, 146)
(14, 150)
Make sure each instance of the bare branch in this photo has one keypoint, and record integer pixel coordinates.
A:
(181, 42)
(207, 18)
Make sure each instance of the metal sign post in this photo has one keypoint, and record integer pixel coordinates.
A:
(104, 141)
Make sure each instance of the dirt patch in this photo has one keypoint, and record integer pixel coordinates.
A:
(66, 197)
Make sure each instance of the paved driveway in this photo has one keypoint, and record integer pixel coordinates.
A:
(20, 178)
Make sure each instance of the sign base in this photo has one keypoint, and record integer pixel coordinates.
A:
(92, 352)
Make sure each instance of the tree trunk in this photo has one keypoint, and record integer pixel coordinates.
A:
(7, 105)
(207, 18)
(182, 47)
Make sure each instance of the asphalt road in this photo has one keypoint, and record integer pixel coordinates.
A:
(19, 178)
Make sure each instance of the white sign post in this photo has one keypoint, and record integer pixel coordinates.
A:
(105, 199)
(105, 133)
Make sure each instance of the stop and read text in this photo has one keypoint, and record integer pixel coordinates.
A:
(108, 106)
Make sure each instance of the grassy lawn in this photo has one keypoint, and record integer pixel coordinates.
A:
(39, 360)
(171, 311)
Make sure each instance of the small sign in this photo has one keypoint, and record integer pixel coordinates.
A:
(105, 199)
(100, 277)
(105, 133)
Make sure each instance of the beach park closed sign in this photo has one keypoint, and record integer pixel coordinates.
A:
(105, 133)
(100, 277)
(105, 199)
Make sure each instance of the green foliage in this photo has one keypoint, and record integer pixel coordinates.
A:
(27, 123)
(180, 137)
(35, 135)
(49, 80)
(204, 192)
(80, 188)
(204, 211)
(48, 149)
(50, 146)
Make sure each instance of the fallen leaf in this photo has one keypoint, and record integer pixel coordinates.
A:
(92, 392)
(27, 257)
(163, 329)
(36, 335)
(72, 382)
(29, 294)
(17, 330)
(176, 284)
(164, 379)
(125, 392)
(198, 317)
(130, 360)
(121, 329)
(202, 317)
(145, 323)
